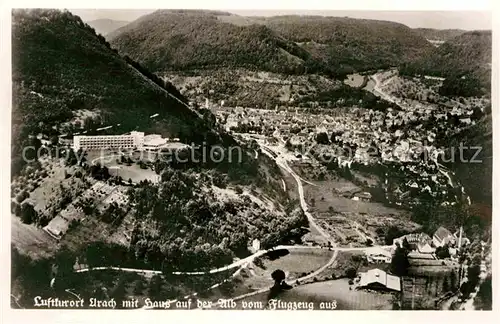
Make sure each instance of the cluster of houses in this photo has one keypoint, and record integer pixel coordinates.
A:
(420, 245)
(423, 246)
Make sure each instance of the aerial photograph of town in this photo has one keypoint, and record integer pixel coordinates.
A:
(242, 160)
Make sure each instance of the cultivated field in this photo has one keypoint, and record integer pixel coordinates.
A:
(352, 222)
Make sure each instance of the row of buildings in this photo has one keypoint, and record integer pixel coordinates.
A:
(420, 245)
(424, 246)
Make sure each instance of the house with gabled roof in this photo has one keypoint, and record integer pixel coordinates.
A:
(379, 280)
(377, 254)
(442, 236)
(425, 248)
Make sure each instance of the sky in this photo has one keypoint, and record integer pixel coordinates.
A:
(468, 20)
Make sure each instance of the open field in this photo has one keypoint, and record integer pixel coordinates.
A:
(296, 264)
(329, 291)
(352, 222)
(355, 80)
(133, 171)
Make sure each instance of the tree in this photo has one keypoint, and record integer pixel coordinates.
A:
(473, 273)
(400, 263)
(155, 287)
(406, 245)
(392, 233)
(322, 138)
(446, 285)
(139, 287)
(22, 196)
(278, 276)
(71, 158)
(453, 280)
(484, 298)
(119, 292)
(443, 252)
(466, 289)
(17, 210)
(28, 213)
(369, 242)
(351, 273)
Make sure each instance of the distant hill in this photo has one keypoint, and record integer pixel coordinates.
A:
(463, 59)
(106, 26)
(170, 40)
(438, 34)
(351, 44)
(183, 39)
(60, 67)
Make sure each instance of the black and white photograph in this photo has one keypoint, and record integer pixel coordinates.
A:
(182, 159)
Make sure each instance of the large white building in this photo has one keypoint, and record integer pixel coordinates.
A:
(134, 140)
(90, 143)
(153, 142)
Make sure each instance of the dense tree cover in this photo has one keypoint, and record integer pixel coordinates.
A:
(475, 174)
(347, 44)
(431, 214)
(346, 96)
(466, 85)
(61, 66)
(169, 39)
(468, 55)
(99, 172)
(183, 226)
(484, 298)
(392, 233)
(52, 276)
(469, 286)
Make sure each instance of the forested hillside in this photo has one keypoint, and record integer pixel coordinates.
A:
(348, 44)
(180, 40)
(60, 67)
(195, 217)
(465, 62)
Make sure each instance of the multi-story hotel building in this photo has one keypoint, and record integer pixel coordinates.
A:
(134, 140)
